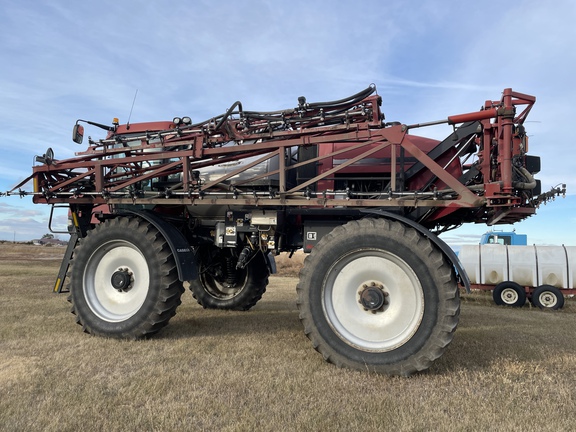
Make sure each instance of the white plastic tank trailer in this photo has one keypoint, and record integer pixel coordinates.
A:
(543, 274)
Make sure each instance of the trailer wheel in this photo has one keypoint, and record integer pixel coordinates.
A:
(377, 295)
(124, 281)
(221, 286)
(548, 297)
(509, 294)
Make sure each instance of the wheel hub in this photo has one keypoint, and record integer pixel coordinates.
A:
(373, 297)
(548, 300)
(122, 280)
(510, 296)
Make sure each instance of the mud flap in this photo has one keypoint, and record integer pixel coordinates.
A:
(271, 263)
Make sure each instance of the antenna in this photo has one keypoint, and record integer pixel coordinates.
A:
(131, 108)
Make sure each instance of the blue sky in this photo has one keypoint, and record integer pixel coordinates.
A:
(66, 60)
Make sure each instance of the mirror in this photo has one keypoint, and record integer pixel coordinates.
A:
(78, 133)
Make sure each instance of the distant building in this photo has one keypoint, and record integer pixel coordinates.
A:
(49, 242)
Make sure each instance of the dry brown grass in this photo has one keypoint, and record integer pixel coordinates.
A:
(510, 370)
(289, 266)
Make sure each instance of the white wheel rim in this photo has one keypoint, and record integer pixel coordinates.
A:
(382, 330)
(509, 296)
(104, 300)
(547, 299)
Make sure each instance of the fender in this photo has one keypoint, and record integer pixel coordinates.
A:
(446, 250)
(183, 253)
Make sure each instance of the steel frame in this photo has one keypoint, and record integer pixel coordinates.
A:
(110, 170)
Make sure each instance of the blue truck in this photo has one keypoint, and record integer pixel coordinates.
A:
(504, 238)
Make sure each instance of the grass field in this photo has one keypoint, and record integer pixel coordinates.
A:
(506, 370)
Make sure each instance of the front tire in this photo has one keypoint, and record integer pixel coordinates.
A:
(124, 281)
(377, 295)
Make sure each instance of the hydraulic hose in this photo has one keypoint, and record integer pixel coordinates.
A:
(229, 113)
(527, 185)
(273, 115)
(351, 99)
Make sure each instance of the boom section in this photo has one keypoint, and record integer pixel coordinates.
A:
(332, 154)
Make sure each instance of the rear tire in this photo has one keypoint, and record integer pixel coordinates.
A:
(548, 297)
(221, 286)
(124, 281)
(377, 295)
(509, 294)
